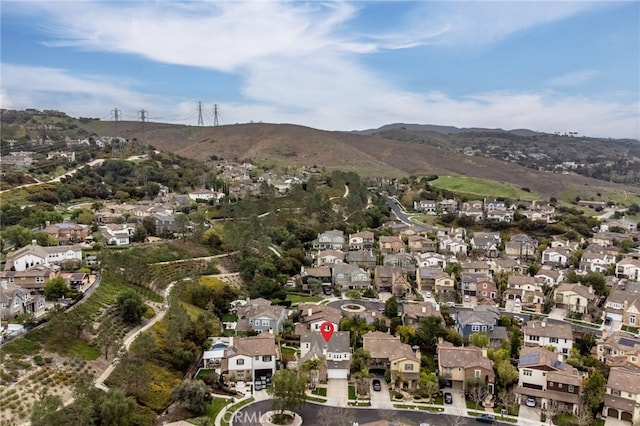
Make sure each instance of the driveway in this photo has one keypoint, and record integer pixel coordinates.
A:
(381, 398)
(529, 413)
(459, 405)
(337, 392)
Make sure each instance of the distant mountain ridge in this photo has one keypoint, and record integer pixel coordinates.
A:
(447, 130)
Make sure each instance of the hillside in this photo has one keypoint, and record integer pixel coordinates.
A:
(392, 153)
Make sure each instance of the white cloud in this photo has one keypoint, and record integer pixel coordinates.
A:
(574, 78)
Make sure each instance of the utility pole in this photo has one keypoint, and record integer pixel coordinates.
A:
(200, 121)
(142, 114)
(215, 115)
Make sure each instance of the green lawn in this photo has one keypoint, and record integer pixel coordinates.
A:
(296, 299)
(472, 406)
(215, 407)
(352, 392)
(289, 350)
(320, 392)
(480, 188)
(229, 318)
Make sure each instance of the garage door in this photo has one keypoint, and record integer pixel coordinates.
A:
(612, 412)
(457, 385)
(627, 416)
(337, 373)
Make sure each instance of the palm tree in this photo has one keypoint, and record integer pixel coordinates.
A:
(356, 326)
(359, 361)
(312, 366)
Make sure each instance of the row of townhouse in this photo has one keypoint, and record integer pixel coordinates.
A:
(487, 209)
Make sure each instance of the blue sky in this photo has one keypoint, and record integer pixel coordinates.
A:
(548, 66)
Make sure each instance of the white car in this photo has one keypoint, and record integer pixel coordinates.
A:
(531, 401)
(427, 295)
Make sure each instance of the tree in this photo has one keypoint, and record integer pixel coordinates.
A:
(481, 340)
(391, 307)
(594, 389)
(131, 306)
(476, 390)
(312, 367)
(286, 391)
(117, 409)
(506, 373)
(428, 385)
(193, 395)
(46, 411)
(55, 288)
(359, 360)
(356, 326)
(315, 286)
(108, 337)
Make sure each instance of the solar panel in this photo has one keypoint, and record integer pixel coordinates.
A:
(628, 342)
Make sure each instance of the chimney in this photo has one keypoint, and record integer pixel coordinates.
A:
(424, 309)
(309, 311)
(543, 323)
(34, 242)
(484, 352)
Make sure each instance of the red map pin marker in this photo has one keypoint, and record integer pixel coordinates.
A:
(326, 329)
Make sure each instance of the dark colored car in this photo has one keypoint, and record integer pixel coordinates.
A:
(486, 418)
(448, 398)
(376, 385)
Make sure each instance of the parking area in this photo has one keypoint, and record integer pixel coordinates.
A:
(458, 406)
(381, 398)
(337, 392)
(529, 413)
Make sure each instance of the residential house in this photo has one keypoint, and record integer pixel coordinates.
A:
(34, 254)
(549, 334)
(574, 297)
(68, 232)
(362, 240)
(499, 215)
(213, 357)
(363, 258)
(622, 397)
(593, 260)
(607, 239)
(556, 256)
(312, 316)
(15, 301)
(323, 274)
(524, 288)
(549, 380)
(486, 243)
(477, 320)
(620, 302)
(444, 285)
(455, 247)
(117, 234)
(412, 313)
(403, 260)
(473, 209)
(486, 290)
(429, 207)
(626, 224)
(521, 246)
(347, 277)
(509, 266)
(458, 364)
(260, 315)
(391, 244)
(31, 279)
(629, 268)
(431, 260)
(550, 277)
(469, 283)
(391, 279)
(426, 278)
(420, 244)
(475, 267)
(335, 353)
(333, 239)
(251, 358)
(618, 349)
(448, 206)
(329, 257)
(388, 353)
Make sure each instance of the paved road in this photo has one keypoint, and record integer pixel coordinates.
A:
(314, 414)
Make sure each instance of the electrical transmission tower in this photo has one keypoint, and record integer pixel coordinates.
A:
(116, 143)
(200, 121)
(215, 115)
(142, 114)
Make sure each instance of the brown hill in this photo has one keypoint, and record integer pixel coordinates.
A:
(371, 155)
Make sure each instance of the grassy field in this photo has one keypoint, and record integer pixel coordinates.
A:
(297, 299)
(476, 188)
(624, 198)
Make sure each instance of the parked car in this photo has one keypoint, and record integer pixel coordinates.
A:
(257, 385)
(519, 319)
(466, 297)
(607, 321)
(448, 398)
(376, 385)
(428, 294)
(486, 418)
(451, 304)
(531, 401)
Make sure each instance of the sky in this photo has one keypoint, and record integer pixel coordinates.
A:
(547, 66)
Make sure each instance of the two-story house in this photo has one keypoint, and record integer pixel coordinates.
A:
(363, 240)
(521, 246)
(32, 279)
(549, 333)
(596, 261)
(412, 313)
(363, 258)
(541, 375)
(429, 207)
(117, 234)
(348, 276)
(431, 260)
(336, 354)
(333, 239)
(430, 279)
(477, 320)
(260, 315)
(556, 256)
(15, 301)
(391, 244)
(622, 397)
(312, 316)
(469, 283)
(34, 254)
(457, 364)
(629, 268)
(487, 243)
(68, 232)
(251, 358)
(388, 353)
(328, 257)
(420, 244)
(574, 297)
(618, 349)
